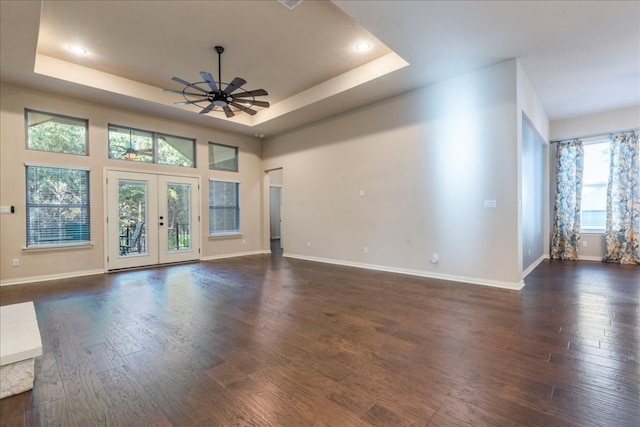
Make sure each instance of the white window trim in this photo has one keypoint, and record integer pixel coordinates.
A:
(57, 247)
(39, 247)
(225, 234)
(591, 141)
(65, 116)
(58, 166)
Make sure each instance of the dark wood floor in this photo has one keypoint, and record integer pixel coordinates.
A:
(262, 341)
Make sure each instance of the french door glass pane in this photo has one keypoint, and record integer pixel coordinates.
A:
(178, 217)
(132, 204)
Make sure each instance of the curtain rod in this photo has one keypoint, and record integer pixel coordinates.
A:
(594, 135)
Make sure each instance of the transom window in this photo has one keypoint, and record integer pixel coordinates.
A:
(150, 147)
(56, 133)
(58, 205)
(224, 207)
(223, 157)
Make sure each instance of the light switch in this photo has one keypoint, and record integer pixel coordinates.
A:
(489, 203)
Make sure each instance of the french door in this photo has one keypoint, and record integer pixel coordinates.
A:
(151, 219)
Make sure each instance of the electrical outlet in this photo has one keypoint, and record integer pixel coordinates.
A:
(16, 262)
(366, 250)
(585, 243)
(244, 241)
(308, 244)
(434, 258)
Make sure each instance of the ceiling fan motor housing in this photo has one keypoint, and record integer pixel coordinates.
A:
(218, 99)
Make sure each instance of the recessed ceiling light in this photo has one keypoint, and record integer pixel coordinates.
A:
(78, 50)
(363, 46)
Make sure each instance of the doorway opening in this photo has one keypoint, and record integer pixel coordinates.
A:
(275, 178)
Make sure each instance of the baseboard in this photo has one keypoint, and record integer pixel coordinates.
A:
(590, 258)
(411, 272)
(47, 277)
(234, 255)
(584, 258)
(534, 265)
(34, 279)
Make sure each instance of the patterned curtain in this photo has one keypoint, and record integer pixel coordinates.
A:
(566, 222)
(622, 232)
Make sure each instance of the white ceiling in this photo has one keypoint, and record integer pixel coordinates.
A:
(581, 56)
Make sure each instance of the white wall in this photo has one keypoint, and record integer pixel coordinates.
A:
(533, 139)
(595, 124)
(63, 263)
(601, 123)
(425, 162)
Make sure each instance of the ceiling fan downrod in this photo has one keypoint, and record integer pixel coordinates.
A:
(219, 49)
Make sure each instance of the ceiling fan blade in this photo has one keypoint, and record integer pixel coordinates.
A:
(179, 92)
(210, 81)
(186, 83)
(243, 108)
(251, 93)
(254, 102)
(235, 84)
(191, 102)
(228, 111)
(208, 108)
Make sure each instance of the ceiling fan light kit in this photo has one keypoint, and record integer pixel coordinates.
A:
(130, 154)
(219, 96)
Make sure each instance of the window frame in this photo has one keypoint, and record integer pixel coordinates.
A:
(85, 207)
(155, 144)
(237, 231)
(235, 157)
(593, 230)
(28, 111)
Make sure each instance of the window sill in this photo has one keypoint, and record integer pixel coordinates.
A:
(58, 247)
(593, 232)
(221, 236)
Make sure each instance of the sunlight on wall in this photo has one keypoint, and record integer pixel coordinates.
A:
(454, 152)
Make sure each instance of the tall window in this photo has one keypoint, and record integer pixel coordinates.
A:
(224, 207)
(53, 132)
(223, 157)
(594, 187)
(150, 147)
(58, 208)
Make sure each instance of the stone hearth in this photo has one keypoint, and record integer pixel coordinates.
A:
(20, 343)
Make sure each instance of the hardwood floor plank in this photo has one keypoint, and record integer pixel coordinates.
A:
(52, 414)
(270, 341)
(129, 400)
(103, 357)
(380, 416)
(595, 409)
(47, 384)
(87, 400)
(121, 340)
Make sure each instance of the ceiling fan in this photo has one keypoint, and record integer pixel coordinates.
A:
(210, 96)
